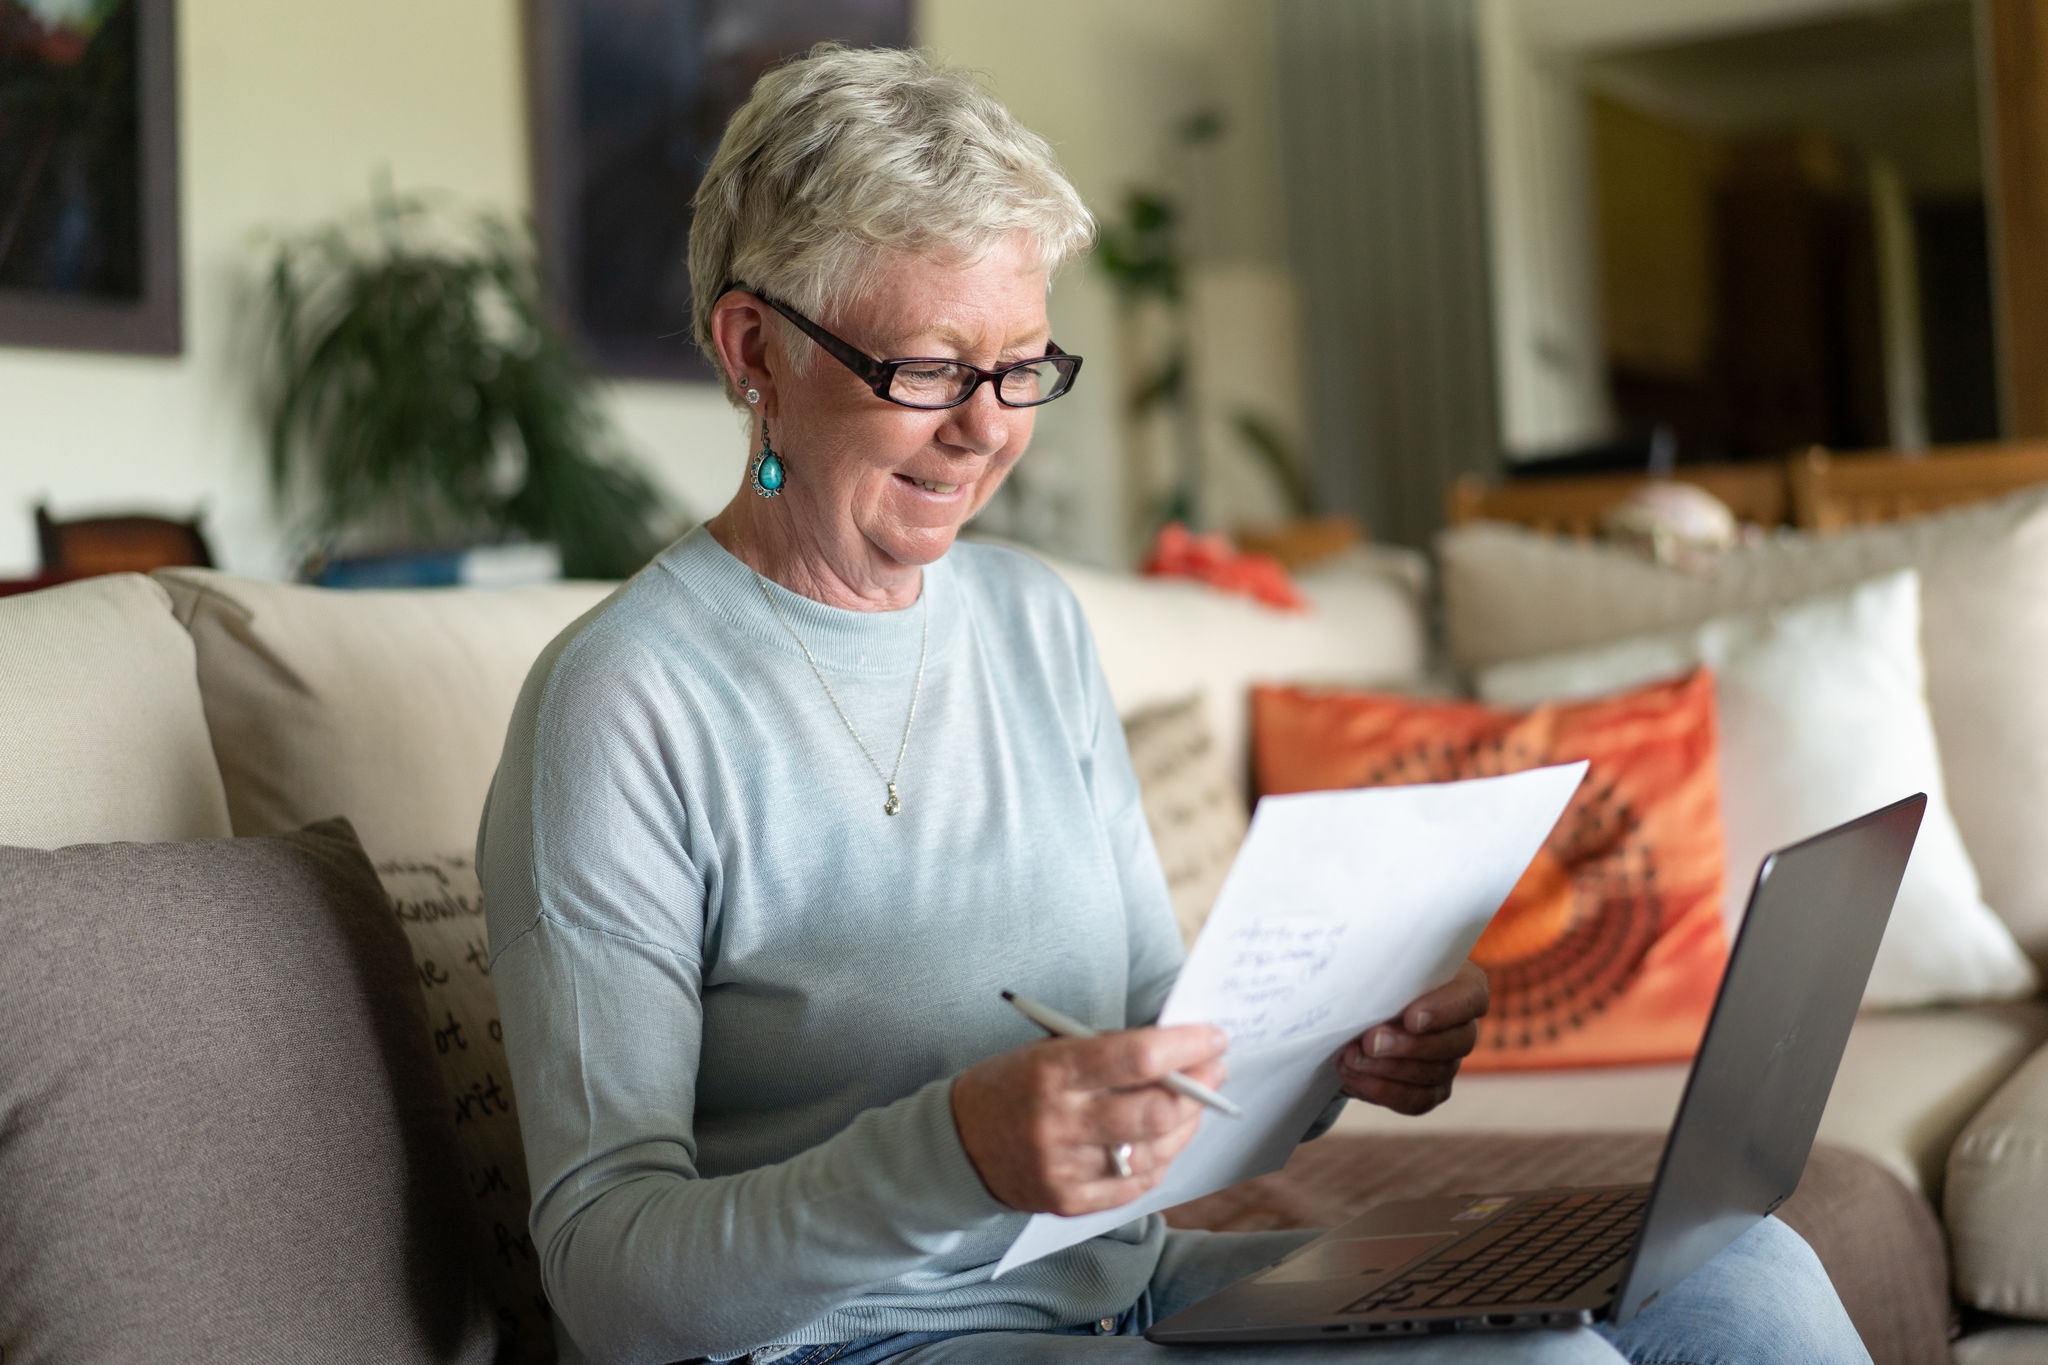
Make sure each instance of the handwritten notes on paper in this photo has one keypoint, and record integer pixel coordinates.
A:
(1267, 966)
(1340, 909)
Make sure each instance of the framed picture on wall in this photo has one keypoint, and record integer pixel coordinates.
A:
(630, 98)
(89, 176)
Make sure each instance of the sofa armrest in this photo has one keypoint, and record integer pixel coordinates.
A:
(1996, 1199)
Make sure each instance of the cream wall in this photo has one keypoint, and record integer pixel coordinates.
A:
(1106, 83)
(1547, 294)
(1549, 372)
(289, 110)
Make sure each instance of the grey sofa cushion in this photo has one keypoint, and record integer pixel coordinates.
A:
(223, 1136)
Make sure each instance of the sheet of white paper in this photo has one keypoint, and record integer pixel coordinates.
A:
(1340, 909)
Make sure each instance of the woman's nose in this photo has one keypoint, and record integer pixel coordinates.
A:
(982, 424)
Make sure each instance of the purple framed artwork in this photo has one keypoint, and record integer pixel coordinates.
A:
(630, 98)
(89, 175)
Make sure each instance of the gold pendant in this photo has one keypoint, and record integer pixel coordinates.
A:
(892, 805)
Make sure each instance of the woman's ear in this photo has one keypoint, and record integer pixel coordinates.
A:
(739, 332)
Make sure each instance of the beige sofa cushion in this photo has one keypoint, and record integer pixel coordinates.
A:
(386, 707)
(1908, 1084)
(2006, 1345)
(1159, 638)
(1996, 1201)
(1512, 594)
(101, 735)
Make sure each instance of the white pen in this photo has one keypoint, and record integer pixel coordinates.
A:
(1061, 1026)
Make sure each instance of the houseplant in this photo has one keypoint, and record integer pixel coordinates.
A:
(1143, 251)
(418, 396)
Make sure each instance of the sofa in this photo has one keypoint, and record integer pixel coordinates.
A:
(287, 1135)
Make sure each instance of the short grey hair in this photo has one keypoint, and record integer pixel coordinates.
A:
(845, 156)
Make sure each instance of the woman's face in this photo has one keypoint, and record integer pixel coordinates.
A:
(880, 488)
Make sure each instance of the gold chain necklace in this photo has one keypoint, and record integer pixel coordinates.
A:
(893, 804)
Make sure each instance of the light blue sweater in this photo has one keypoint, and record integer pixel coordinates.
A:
(734, 991)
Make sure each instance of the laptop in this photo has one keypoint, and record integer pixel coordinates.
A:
(1518, 1259)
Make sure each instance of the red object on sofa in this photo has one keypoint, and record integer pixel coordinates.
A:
(1178, 552)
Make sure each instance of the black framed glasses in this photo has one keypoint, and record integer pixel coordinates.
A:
(933, 382)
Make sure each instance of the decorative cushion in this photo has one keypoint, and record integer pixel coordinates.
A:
(1823, 717)
(223, 1135)
(101, 734)
(1610, 947)
(1159, 639)
(387, 707)
(1512, 594)
(441, 908)
(1198, 818)
(1996, 1199)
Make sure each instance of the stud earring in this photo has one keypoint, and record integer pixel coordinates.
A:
(766, 473)
(753, 394)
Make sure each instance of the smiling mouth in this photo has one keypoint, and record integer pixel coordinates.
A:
(929, 485)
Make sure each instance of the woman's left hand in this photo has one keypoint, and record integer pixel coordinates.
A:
(1407, 1064)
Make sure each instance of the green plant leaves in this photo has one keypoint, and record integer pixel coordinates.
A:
(1140, 254)
(418, 392)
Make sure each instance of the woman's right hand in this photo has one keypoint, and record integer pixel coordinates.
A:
(1039, 1122)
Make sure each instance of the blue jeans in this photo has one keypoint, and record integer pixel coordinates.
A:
(1764, 1299)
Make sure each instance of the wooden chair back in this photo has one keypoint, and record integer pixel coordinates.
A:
(1572, 505)
(1831, 491)
(132, 544)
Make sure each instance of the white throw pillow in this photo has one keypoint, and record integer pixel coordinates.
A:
(1823, 716)
(1510, 593)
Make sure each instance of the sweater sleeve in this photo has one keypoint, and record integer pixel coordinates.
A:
(598, 915)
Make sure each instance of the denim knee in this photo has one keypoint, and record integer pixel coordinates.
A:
(1766, 1298)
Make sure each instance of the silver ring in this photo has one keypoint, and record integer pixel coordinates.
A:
(1120, 1160)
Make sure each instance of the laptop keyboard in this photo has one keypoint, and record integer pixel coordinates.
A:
(1548, 1247)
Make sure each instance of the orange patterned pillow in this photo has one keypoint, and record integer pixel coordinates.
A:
(1610, 948)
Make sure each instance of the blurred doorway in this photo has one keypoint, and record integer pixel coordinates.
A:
(1779, 230)
(1792, 235)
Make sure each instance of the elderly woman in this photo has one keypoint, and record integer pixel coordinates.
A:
(776, 825)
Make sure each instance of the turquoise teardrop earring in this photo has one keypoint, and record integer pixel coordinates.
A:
(766, 473)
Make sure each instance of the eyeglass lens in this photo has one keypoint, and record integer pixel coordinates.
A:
(938, 383)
